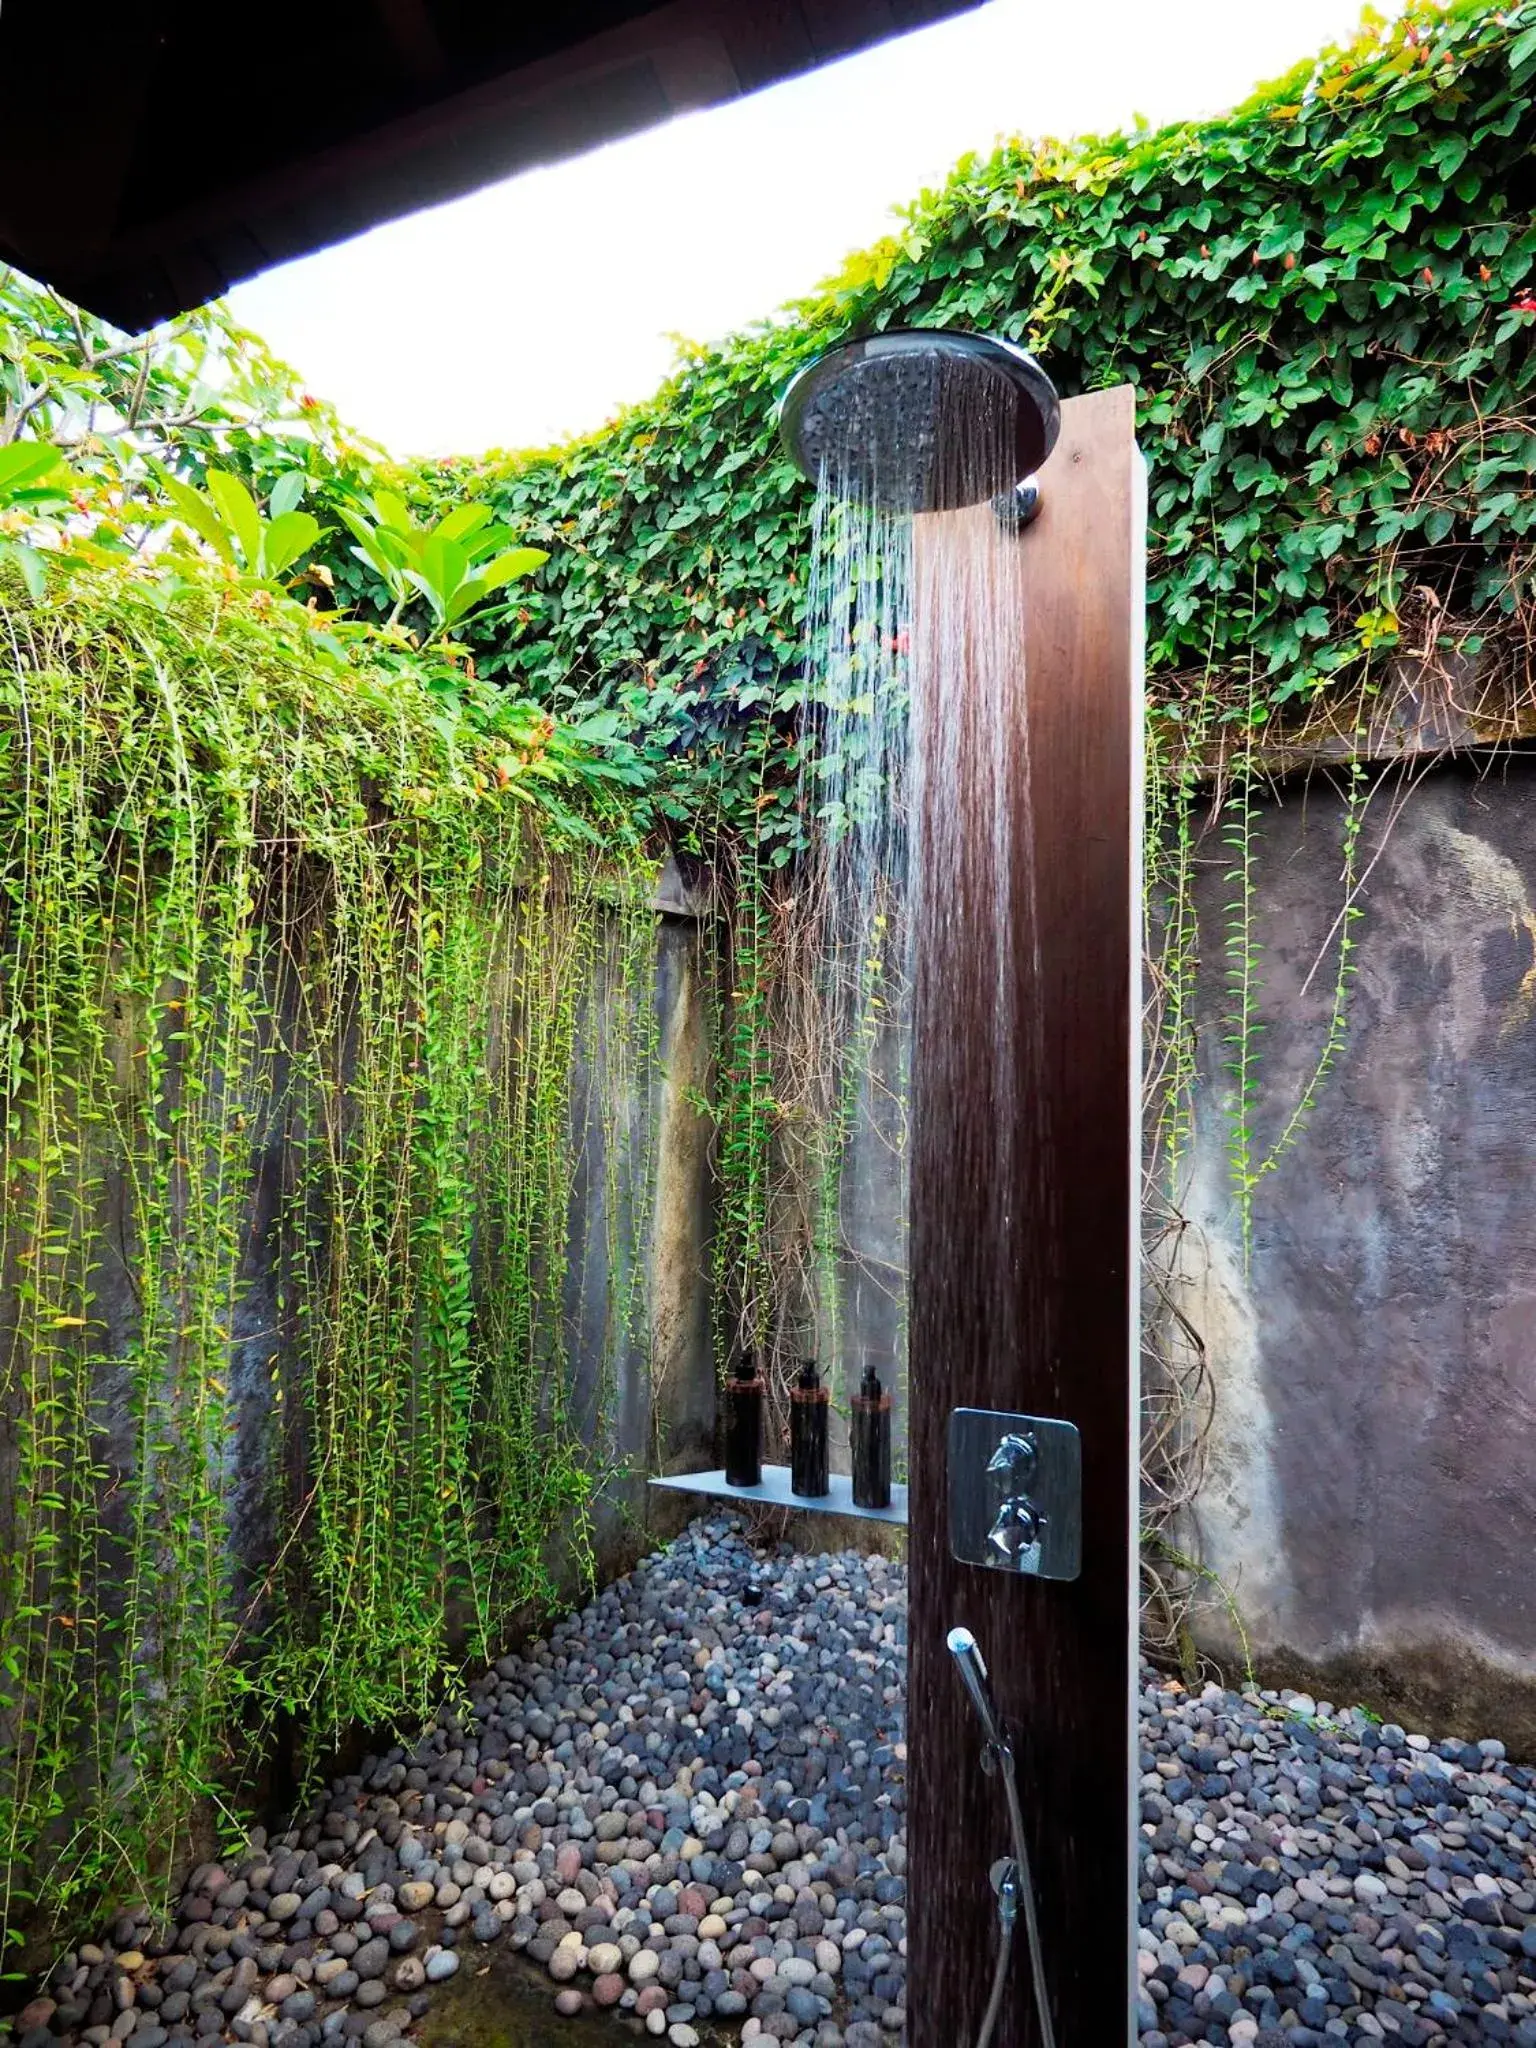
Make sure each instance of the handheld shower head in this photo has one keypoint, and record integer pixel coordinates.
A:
(966, 1652)
(1011, 1881)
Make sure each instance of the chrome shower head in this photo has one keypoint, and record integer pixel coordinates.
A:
(966, 1651)
(921, 419)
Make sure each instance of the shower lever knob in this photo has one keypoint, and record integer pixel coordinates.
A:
(1016, 1527)
(1015, 1493)
(1015, 1459)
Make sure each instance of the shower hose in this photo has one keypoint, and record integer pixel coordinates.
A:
(1013, 1883)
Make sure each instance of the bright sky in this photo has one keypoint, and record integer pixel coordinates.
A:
(534, 308)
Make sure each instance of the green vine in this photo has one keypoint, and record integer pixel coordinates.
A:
(746, 1118)
(290, 986)
(1241, 1025)
(1356, 785)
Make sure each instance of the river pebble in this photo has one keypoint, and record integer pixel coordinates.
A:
(1312, 1875)
(686, 1805)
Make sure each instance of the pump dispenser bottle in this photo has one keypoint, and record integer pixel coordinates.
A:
(744, 1424)
(808, 1434)
(871, 1435)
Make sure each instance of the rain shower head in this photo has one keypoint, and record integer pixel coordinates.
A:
(921, 420)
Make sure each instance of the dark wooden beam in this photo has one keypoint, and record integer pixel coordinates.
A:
(441, 116)
(68, 129)
(413, 38)
(1023, 1188)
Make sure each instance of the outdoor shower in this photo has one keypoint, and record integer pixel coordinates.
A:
(928, 422)
(1020, 822)
(920, 420)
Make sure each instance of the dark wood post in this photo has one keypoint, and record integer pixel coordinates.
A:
(1024, 1186)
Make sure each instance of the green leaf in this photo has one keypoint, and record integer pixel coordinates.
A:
(392, 511)
(372, 550)
(1437, 524)
(237, 508)
(286, 493)
(462, 521)
(31, 562)
(510, 567)
(199, 514)
(287, 537)
(443, 565)
(25, 463)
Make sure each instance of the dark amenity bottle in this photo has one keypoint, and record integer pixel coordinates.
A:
(744, 1424)
(871, 1443)
(808, 1403)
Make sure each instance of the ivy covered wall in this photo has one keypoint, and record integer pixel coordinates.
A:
(1325, 302)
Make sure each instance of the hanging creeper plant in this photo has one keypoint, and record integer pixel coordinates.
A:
(289, 1013)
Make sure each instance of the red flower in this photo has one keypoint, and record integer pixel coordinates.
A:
(1526, 303)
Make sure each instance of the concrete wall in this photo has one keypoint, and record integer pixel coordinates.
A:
(1370, 1501)
(861, 1312)
(1370, 1496)
(642, 1388)
(871, 1265)
(641, 1199)
(682, 1361)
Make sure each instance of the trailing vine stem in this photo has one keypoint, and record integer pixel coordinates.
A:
(1241, 1025)
(1204, 761)
(291, 1128)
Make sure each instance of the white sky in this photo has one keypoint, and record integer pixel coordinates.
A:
(534, 308)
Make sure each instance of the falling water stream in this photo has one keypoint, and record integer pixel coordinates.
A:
(916, 784)
(975, 930)
(854, 797)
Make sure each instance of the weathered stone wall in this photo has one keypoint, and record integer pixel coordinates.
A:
(870, 1268)
(658, 1405)
(1370, 1496)
(1370, 1502)
(642, 1389)
(681, 1367)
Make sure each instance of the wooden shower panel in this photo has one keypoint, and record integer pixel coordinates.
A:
(1050, 1219)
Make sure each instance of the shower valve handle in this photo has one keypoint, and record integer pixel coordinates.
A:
(1016, 1527)
(1015, 1459)
(1015, 1493)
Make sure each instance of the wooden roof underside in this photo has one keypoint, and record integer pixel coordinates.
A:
(152, 156)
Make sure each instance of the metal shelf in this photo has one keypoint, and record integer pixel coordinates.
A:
(774, 1492)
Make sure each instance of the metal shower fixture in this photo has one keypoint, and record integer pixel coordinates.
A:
(1012, 1885)
(922, 420)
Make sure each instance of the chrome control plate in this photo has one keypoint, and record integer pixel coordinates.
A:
(1016, 1493)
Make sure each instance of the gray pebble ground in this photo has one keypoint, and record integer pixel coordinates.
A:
(688, 1806)
(1312, 1876)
